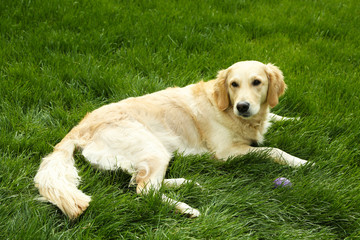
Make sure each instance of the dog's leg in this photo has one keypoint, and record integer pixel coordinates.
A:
(183, 208)
(177, 182)
(152, 181)
(278, 155)
(276, 118)
(151, 176)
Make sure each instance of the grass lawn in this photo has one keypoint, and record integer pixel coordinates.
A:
(62, 58)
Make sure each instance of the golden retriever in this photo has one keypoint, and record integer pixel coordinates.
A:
(138, 135)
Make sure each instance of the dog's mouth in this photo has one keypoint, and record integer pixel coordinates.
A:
(244, 115)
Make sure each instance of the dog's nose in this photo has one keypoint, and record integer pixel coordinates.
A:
(243, 107)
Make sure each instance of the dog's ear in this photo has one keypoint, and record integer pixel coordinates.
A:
(221, 96)
(277, 85)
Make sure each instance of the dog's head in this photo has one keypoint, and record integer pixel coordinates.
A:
(246, 86)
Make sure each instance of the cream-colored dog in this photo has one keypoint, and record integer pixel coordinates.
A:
(138, 135)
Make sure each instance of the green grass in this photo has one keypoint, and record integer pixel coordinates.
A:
(60, 59)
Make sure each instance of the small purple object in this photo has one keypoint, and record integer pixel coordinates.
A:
(282, 182)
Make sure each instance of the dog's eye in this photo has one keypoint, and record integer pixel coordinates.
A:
(256, 82)
(234, 84)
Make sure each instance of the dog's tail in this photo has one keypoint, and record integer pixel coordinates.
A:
(57, 179)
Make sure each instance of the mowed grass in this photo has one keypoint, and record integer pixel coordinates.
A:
(62, 59)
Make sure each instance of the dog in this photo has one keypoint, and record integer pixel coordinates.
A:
(224, 116)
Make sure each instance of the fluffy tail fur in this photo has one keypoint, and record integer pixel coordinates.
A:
(57, 180)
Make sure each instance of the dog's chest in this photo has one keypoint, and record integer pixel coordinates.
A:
(236, 132)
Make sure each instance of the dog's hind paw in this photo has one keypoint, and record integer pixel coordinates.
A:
(192, 213)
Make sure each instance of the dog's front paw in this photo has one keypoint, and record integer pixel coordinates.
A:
(293, 161)
(300, 162)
